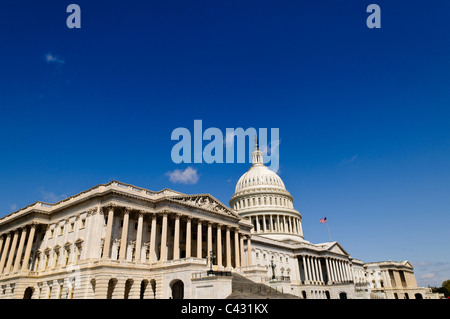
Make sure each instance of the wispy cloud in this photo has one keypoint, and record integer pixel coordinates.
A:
(51, 58)
(272, 148)
(186, 176)
(431, 273)
(51, 196)
(349, 160)
(13, 207)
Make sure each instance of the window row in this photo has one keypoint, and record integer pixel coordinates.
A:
(263, 200)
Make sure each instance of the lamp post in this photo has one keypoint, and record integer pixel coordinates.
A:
(272, 264)
(211, 259)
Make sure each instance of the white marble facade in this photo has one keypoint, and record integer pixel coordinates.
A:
(121, 241)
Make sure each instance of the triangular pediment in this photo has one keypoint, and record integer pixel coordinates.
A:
(407, 264)
(206, 202)
(337, 249)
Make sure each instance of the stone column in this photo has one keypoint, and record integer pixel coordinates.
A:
(241, 244)
(328, 270)
(20, 250)
(305, 268)
(236, 249)
(311, 278)
(314, 267)
(109, 225)
(137, 255)
(152, 252)
(264, 223)
(344, 270)
(11, 252)
(258, 226)
(344, 265)
(320, 270)
(219, 245)
(164, 238)
(249, 251)
(338, 270)
(278, 223)
(123, 240)
(199, 239)
(5, 252)
(176, 238)
(228, 247)
(341, 271)
(209, 243)
(1, 244)
(300, 230)
(188, 237)
(333, 270)
(271, 223)
(349, 271)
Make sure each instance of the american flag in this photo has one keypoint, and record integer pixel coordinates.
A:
(323, 220)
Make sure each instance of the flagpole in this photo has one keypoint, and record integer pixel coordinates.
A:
(329, 236)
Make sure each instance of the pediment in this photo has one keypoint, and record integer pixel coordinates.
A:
(206, 202)
(407, 264)
(337, 249)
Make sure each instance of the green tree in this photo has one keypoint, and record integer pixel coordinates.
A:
(446, 287)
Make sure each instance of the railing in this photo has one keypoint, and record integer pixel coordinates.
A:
(279, 278)
(218, 273)
(211, 273)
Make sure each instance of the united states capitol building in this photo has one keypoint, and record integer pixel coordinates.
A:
(119, 241)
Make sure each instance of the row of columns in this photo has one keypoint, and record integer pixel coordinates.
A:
(337, 270)
(281, 223)
(11, 252)
(238, 239)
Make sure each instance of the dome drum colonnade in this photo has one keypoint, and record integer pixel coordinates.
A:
(261, 197)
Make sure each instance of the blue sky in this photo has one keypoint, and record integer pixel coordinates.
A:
(363, 114)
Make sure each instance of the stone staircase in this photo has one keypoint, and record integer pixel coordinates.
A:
(243, 288)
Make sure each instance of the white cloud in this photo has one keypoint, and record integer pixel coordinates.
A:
(51, 196)
(349, 160)
(186, 176)
(51, 58)
(272, 148)
(431, 273)
(13, 207)
(428, 276)
(229, 139)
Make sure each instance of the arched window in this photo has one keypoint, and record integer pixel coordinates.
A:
(144, 284)
(177, 287)
(111, 285)
(128, 285)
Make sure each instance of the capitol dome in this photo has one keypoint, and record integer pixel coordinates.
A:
(261, 197)
(259, 176)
